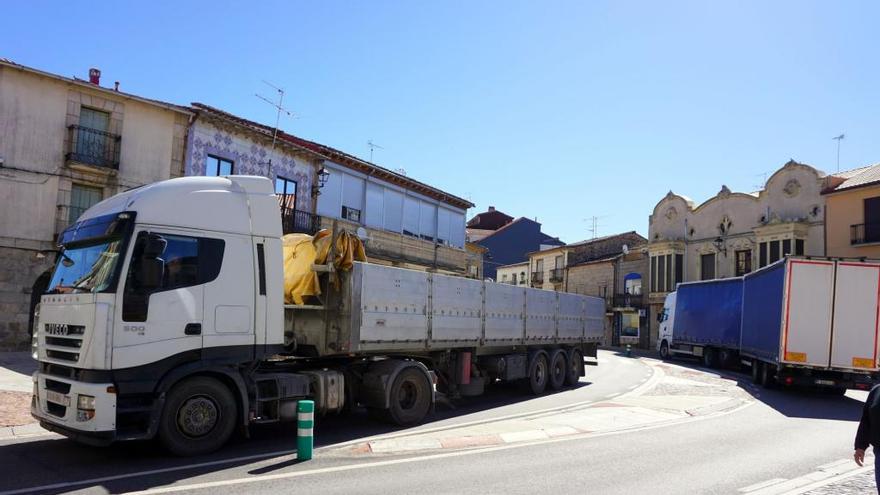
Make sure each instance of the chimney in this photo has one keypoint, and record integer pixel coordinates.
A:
(116, 86)
(95, 76)
(491, 208)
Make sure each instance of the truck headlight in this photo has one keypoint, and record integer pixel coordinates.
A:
(85, 407)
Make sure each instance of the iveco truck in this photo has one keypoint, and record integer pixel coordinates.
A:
(165, 318)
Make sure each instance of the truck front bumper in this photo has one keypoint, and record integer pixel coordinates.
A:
(56, 405)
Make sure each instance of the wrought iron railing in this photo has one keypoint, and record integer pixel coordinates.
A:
(627, 301)
(864, 233)
(93, 147)
(294, 221)
(557, 274)
(537, 277)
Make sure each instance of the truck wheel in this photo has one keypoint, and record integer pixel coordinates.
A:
(664, 350)
(198, 417)
(575, 362)
(537, 380)
(768, 375)
(756, 371)
(558, 369)
(710, 358)
(725, 358)
(409, 398)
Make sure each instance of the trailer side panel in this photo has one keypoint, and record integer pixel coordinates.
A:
(708, 313)
(762, 312)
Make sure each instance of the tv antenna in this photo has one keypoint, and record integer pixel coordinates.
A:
(763, 176)
(278, 107)
(373, 146)
(594, 225)
(838, 139)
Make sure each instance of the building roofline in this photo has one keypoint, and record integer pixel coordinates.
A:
(85, 84)
(350, 161)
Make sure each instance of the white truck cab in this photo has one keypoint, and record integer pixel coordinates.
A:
(666, 319)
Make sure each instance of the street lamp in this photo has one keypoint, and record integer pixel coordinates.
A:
(323, 175)
(719, 245)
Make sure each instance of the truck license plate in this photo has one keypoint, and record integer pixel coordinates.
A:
(57, 398)
(830, 383)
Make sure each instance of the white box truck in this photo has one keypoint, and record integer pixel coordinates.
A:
(165, 318)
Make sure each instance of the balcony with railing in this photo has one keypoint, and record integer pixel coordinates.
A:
(627, 301)
(537, 277)
(93, 147)
(294, 221)
(864, 233)
(557, 275)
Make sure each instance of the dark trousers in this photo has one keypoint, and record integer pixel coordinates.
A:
(877, 468)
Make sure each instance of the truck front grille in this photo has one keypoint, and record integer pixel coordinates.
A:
(62, 356)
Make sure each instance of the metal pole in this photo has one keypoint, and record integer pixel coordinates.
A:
(305, 423)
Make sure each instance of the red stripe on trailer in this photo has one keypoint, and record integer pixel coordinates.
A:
(788, 301)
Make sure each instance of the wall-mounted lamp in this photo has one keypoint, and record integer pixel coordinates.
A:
(323, 175)
(719, 245)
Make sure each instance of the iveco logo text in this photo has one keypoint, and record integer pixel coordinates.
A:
(138, 329)
(56, 328)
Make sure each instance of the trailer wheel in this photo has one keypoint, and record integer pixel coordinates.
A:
(198, 417)
(756, 371)
(664, 350)
(538, 371)
(558, 369)
(726, 358)
(768, 375)
(575, 363)
(710, 358)
(410, 397)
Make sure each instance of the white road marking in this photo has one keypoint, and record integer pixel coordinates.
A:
(252, 479)
(763, 484)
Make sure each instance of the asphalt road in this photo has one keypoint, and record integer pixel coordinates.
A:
(783, 435)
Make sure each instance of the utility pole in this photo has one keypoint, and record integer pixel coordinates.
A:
(838, 139)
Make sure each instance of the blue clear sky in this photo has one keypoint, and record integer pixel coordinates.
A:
(555, 110)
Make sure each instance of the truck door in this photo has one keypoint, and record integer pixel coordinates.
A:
(162, 308)
(806, 316)
(854, 337)
(229, 299)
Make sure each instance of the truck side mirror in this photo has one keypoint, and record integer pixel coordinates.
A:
(152, 273)
(154, 246)
(660, 317)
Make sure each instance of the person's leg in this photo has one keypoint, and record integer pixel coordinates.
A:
(877, 468)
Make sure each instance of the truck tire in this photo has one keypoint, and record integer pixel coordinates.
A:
(558, 369)
(409, 398)
(756, 371)
(538, 371)
(198, 417)
(664, 351)
(726, 358)
(710, 357)
(768, 375)
(575, 363)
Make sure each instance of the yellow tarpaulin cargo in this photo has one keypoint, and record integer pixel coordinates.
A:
(301, 251)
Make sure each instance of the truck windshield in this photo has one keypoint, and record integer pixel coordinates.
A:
(86, 268)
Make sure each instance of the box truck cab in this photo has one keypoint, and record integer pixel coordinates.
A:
(666, 318)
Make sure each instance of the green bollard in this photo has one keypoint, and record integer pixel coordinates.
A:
(305, 423)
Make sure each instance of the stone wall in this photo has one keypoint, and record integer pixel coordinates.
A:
(592, 279)
(20, 269)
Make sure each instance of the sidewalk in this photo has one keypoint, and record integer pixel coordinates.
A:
(16, 388)
(669, 394)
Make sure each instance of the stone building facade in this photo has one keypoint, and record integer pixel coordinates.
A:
(734, 233)
(65, 144)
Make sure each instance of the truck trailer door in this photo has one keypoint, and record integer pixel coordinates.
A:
(854, 337)
(806, 315)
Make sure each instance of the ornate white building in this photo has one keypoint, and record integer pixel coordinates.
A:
(734, 233)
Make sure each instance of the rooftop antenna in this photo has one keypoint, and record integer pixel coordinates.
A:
(594, 225)
(838, 139)
(279, 107)
(763, 176)
(373, 146)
